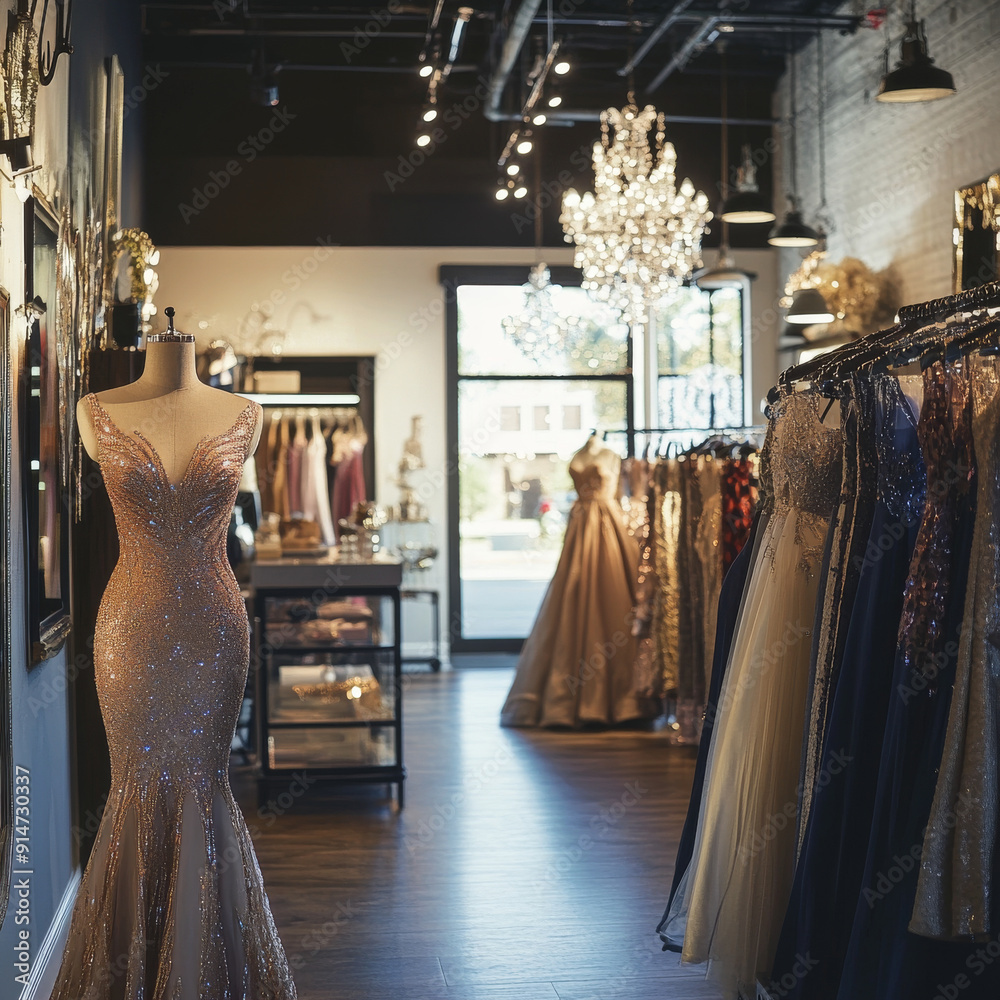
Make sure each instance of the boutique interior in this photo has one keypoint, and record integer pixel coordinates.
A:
(500, 501)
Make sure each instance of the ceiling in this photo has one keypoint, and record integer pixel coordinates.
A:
(347, 81)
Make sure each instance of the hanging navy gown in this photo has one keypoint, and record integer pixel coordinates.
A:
(831, 863)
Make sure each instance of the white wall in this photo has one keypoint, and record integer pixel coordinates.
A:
(892, 170)
(385, 302)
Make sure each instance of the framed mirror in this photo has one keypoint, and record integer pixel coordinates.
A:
(48, 509)
(977, 232)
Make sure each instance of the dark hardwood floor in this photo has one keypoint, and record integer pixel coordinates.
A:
(525, 864)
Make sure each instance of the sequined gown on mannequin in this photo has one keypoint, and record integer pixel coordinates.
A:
(172, 904)
(579, 663)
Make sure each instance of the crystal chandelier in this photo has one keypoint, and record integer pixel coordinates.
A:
(539, 331)
(637, 234)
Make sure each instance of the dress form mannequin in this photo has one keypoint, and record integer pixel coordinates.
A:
(594, 451)
(168, 403)
(172, 902)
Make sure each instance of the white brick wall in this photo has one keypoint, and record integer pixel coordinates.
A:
(892, 170)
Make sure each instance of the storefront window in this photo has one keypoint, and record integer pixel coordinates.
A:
(519, 417)
(699, 339)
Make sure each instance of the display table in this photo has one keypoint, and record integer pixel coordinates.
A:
(328, 663)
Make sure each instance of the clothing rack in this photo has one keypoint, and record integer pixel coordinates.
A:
(682, 432)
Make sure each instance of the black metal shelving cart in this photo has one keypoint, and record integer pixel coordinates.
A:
(328, 668)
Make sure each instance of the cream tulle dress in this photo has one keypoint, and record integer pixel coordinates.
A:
(731, 902)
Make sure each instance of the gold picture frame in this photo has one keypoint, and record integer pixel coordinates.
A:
(977, 233)
(113, 125)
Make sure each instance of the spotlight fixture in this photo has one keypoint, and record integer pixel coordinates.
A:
(263, 81)
(915, 78)
(793, 232)
(501, 194)
(524, 146)
(746, 205)
(520, 192)
(539, 119)
(426, 70)
(554, 101)
(513, 169)
(561, 68)
(423, 139)
(808, 308)
(429, 113)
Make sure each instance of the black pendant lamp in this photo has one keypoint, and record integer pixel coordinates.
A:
(746, 204)
(724, 273)
(809, 308)
(915, 78)
(792, 231)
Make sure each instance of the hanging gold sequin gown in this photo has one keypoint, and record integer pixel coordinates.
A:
(172, 904)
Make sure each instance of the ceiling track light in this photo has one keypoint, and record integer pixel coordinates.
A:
(915, 79)
(264, 82)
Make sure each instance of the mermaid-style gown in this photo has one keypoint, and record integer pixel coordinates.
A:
(172, 904)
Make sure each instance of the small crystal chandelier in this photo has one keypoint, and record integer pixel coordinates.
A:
(539, 331)
(637, 234)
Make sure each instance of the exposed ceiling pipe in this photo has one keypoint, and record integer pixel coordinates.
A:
(700, 36)
(655, 36)
(703, 34)
(519, 29)
(568, 117)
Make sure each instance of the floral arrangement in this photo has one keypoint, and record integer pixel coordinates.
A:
(860, 299)
(142, 258)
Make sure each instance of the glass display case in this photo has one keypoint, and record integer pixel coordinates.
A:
(328, 676)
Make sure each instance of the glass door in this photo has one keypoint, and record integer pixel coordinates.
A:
(518, 415)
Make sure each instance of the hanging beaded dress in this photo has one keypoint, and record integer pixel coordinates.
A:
(172, 904)
(740, 874)
(955, 894)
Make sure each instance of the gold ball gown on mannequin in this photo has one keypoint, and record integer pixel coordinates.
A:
(172, 904)
(578, 666)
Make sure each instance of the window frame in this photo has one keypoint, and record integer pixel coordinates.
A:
(451, 278)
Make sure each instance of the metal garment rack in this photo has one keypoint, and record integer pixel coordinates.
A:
(631, 434)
